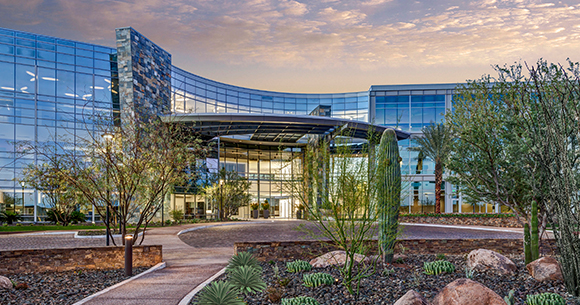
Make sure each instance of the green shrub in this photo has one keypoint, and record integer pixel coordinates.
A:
(10, 217)
(243, 259)
(440, 257)
(300, 301)
(546, 298)
(438, 267)
(76, 217)
(317, 279)
(298, 265)
(177, 215)
(247, 279)
(219, 293)
(460, 215)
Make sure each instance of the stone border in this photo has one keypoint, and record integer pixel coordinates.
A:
(102, 236)
(187, 299)
(514, 230)
(154, 268)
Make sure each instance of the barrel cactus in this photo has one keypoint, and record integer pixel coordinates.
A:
(388, 192)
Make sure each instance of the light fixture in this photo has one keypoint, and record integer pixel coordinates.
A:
(107, 136)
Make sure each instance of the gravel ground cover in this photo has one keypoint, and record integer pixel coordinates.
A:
(391, 282)
(61, 288)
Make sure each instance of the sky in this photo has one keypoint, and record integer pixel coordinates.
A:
(324, 45)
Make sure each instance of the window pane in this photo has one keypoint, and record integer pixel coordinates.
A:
(47, 81)
(65, 83)
(7, 76)
(25, 79)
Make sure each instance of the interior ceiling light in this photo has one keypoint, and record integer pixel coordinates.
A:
(7, 88)
(52, 79)
(97, 87)
(107, 80)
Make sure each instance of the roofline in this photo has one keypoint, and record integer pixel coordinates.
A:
(443, 86)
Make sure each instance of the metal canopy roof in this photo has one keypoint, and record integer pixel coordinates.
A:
(267, 127)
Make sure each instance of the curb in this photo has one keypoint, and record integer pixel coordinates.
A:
(49, 233)
(101, 236)
(459, 227)
(187, 299)
(154, 268)
(218, 225)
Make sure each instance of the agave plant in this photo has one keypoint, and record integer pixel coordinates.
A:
(301, 300)
(438, 267)
(317, 279)
(546, 298)
(510, 298)
(247, 279)
(298, 265)
(219, 293)
(243, 259)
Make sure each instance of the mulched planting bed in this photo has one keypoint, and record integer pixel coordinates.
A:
(386, 287)
(61, 287)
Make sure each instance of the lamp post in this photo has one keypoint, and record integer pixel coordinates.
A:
(128, 255)
(107, 137)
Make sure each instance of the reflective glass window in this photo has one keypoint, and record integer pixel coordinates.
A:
(105, 65)
(102, 88)
(45, 133)
(65, 83)
(25, 42)
(102, 56)
(42, 114)
(7, 76)
(6, 39)
(24, 133)
(84, 61)
(25, 79)
(84, 86)
(6, 49)
(64, 49)
(47, 81)
(86, 53)
(22, 103)
(45, 46)
(46, 55)
(45, 105)
(65, 58)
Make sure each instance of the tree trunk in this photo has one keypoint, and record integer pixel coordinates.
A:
(438, 182)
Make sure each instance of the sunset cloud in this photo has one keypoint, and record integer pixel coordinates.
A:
(372, 35)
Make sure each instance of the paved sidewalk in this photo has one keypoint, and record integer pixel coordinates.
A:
(186, 268)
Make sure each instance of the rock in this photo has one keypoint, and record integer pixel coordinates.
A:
(483, 259)
(5, 283)
(334, 258)
(467, 292)
(21, 286)
(412, 298)
(545, 268)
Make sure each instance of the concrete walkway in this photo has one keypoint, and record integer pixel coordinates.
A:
(186, 268)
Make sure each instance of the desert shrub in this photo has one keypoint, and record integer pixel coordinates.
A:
(247, 279)
(243, 259)
(219, 293)
(438, 267)
(301, 300)
(547, 298)
(298, 265)
(317, 279)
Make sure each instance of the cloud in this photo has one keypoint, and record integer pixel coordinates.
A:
(309, 34)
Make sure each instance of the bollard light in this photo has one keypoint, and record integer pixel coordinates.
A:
(128, 255)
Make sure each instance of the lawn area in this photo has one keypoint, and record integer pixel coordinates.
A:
(23, 228)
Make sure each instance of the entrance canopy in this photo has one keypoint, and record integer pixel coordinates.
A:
(274, 128)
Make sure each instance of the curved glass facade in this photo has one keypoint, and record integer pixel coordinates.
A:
(50, 88)
(195, 94)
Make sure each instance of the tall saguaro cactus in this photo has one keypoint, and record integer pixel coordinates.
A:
(388, 192)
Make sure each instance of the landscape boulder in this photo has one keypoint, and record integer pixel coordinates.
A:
(5, 283)
(545, 268)
(334, 258)
(467, 292)
(412, 298)
(483, 259)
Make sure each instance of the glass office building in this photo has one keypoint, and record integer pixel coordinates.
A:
(50, 87)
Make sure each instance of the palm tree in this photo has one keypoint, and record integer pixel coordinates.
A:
(435, 144)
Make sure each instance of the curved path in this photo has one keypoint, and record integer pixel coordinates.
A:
(225, 236)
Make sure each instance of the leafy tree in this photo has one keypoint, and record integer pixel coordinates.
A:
(230, 191)
(435, 143)
(49, 178)
(518, 143)
(133, 170)
(489, 162)
(9, 217)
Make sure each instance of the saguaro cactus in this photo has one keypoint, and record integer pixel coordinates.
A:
(535, 240)
(388, 192)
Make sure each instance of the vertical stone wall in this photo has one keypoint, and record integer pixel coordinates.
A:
(42, 260)
(144, 74)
